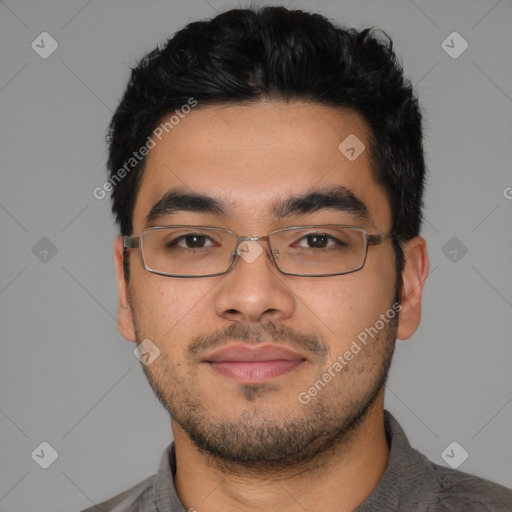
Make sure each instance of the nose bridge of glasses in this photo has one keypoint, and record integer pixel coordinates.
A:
(251, 247)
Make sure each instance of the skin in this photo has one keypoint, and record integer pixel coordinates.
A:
(252, 155)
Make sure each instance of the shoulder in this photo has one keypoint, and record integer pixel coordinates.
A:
(462, 491)
(131, 500)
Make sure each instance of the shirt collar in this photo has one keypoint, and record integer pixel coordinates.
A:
(409, 482)
(166, 497)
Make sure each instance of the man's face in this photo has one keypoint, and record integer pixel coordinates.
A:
(251, 158)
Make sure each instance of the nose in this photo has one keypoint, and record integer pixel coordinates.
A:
(254, 290)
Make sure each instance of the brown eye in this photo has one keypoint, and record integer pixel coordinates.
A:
(317, 241)
(192, 241)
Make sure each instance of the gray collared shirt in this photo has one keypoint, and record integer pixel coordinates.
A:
(410, 483)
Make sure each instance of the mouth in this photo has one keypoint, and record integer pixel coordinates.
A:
(249, 364)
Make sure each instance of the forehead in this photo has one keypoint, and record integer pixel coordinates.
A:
(252, 156)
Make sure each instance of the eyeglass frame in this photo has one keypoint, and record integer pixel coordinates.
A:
(135, 242)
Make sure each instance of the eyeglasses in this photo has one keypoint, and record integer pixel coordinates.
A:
(204, 251)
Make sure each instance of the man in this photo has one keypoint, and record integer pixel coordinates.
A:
(267, 175)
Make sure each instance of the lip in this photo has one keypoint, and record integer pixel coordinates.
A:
(245, 352)
(253, 364)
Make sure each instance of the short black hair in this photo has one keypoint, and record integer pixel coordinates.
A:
(245, 55)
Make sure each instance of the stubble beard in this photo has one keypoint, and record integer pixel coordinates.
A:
(260, 443)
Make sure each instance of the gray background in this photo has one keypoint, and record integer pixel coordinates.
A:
(68, 378)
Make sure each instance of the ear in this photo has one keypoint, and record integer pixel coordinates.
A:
(125, 316)
(413, 278)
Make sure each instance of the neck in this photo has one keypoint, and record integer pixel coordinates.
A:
(339, 480)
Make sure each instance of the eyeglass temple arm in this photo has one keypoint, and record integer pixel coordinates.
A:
(378, 239)
(131, 242)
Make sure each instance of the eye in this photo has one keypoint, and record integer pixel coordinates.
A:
(317, 241)
(193, 241)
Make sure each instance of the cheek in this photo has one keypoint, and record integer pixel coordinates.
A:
(344, 306)
(168, 309)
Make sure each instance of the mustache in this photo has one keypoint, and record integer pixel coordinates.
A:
(259, 333)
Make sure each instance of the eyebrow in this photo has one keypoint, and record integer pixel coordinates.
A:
(177, 201)
(336, 198)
